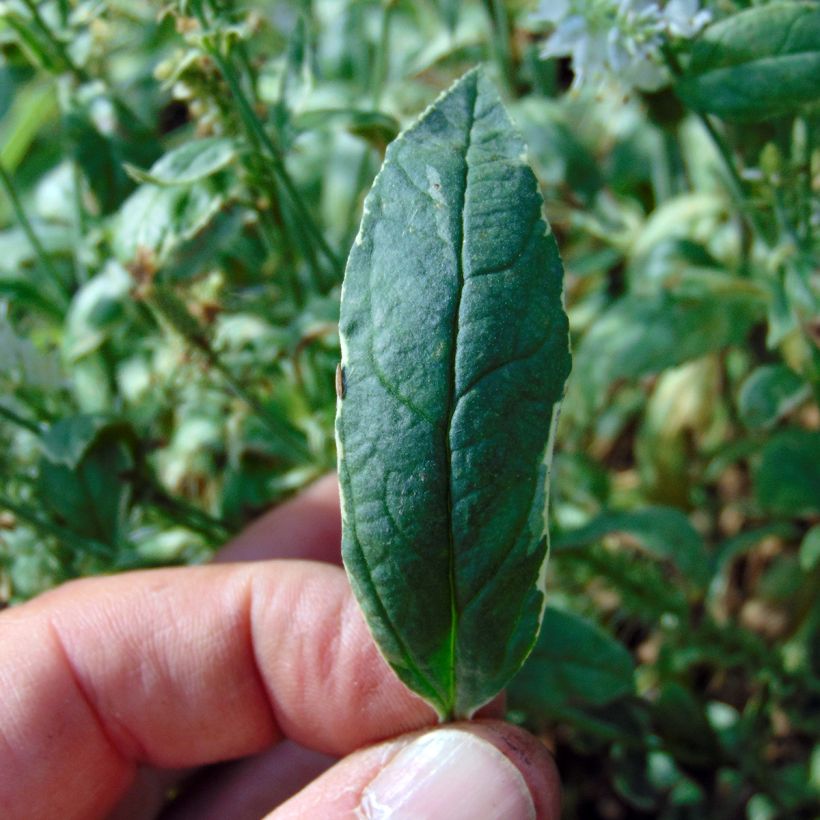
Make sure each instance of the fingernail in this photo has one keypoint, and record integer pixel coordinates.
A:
(450, 774)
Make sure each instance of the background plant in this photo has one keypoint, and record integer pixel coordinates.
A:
(181, 185)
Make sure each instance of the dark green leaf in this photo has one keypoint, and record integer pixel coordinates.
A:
(760, 63)
(770, 393)
(104, 135)
(92, 499)
(68, 440)
(788, 477)
(684, 728)
(662, 531)
(189, 163)
(454, 356)
(83, 476)
(631, 778)
(574, 664)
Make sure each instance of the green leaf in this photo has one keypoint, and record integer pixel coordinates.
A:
(662, 531)
(760, 63)
(191, 162)
(374, 126)
(159, 219)
(768, 394)
(574, 664)
(684, 728)
(454, 356)
(96, 310)
(643, 334)
(810, 549)
(83, 475)
(788, 475)
(68, 440)
(104, 135)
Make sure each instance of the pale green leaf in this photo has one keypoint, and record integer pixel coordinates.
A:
(810, 549)
(95, 311)
(158, 219)
(454, 356)
(191, 162)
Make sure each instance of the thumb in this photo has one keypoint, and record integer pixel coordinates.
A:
(481, 770)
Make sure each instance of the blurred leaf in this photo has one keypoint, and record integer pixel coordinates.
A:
(191, 162)
(757, 64)
(631, 778)
(684, 728)
(91, 500)
(810, 549)
(105, 135)
(374, 126)
(639, 335)
(22, 363)
(768, 394)
(745, 541)
(662, 531)
(95, 311)
(83, 475)
(788, 476)
(16, 251)
(157, 219)
(67, 441)
(449, 11)
(559, 155)
(574, 663)
(32, 107)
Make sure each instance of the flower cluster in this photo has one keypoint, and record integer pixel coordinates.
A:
(620, 39)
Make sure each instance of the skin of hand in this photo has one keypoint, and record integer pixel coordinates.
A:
(112, 689)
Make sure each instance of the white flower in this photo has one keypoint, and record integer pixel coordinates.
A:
(619, 39)
(683, 18)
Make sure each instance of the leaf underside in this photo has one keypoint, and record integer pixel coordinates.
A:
(454, 354)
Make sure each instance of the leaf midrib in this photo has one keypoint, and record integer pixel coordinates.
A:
(452, 398)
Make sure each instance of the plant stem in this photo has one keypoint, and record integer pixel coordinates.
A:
(10, 416)
(8, 186)
(79, 225)
(297, 450)
(50, 528)
(806, 186)
(725, 152)
(194, 518)
(173, 310)
(379, 75)
(501, 42)
(262, 142)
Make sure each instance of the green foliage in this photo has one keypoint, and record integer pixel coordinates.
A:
(758, 64)
(446, 421)
(179, 187)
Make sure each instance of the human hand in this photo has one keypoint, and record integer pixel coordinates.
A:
(112, 688)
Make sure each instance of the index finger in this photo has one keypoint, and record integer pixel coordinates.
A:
(183, 667)
(176, 668)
